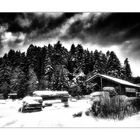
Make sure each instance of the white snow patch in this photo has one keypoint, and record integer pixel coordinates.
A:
(58, 116)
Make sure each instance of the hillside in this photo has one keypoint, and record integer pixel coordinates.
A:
(54, 67)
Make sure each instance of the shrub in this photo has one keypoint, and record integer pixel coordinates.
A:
(117, 107)
(135, 101)
(111, 91)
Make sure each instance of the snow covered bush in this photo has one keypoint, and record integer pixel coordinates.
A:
(135, 101)
(111, 90)
(117, 107)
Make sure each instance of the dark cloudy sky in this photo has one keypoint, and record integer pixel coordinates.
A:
(119, 32)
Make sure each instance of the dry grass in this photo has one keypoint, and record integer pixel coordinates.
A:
(117, 107)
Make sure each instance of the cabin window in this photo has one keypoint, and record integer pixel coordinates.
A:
(130, 90)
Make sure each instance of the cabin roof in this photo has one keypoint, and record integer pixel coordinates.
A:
(80, 74)
(49, 93)
(116, 80)
(12, 94)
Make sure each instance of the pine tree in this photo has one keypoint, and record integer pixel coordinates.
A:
(73, 49)
(47, 64)
(103, 63)
(15, 80)
(47, 74)
(34, 59)
(60, 78)
(87, 63)
(122, 73)
(57, 54)
(32, 81)
(44, 52)
(79, 55)
(91, 61)
(18, 82)
(127, 70)
(11, 57)
(5, 75)
(100, 63)
(24, 63)
(107, 54)
(53, 66)
(113, 65)
(96, 59)
(70, 64)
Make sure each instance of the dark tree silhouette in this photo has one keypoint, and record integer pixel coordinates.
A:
(127, 70)
(54, 67)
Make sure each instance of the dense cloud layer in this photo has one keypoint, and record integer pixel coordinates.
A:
(105, 29)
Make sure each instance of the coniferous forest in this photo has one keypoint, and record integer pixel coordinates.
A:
(53, 67)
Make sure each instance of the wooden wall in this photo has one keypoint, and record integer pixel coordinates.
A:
(108, 83)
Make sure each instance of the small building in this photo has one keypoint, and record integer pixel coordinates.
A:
(121, 86)
(78, 75)
(48, 94)
(12, 95)
(1, 96)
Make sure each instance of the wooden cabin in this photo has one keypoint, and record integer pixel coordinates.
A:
(1, 96)
(121, 86)
(12, 96)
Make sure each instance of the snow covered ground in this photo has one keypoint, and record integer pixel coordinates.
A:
(57, 116)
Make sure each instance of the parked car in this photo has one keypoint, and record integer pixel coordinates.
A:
(31, 103)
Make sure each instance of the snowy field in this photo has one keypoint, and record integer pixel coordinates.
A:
(57, 116)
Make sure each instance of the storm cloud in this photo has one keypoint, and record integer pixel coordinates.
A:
(105, 29)
(19, 29)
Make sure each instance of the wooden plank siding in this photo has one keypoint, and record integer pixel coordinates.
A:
(120, 88)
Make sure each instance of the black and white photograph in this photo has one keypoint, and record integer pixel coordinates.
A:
(69, 69)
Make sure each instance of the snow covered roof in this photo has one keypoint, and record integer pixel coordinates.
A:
(30, 100)
(80, 74)
(97, 93)
(12, 94)
(49, 93)
(117, 80)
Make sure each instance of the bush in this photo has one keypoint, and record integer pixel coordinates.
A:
(111, 91)
(117, 107)
(135, 101)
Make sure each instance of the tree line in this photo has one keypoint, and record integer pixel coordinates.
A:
(53, 67)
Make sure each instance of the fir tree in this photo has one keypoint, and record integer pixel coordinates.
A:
(53, 67)
(47, 74)
(73, 49)
(86, 65)
(96, 59)
(32, 81)
(18, 82)
(127, 70)
(113, 65)
(5, 75)
(60, 78)
(103, 63)
(79, 55)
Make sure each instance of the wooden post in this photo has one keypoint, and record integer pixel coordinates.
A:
(101, 83)
(120, 89)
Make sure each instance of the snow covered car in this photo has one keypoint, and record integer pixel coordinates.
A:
(30, 103)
